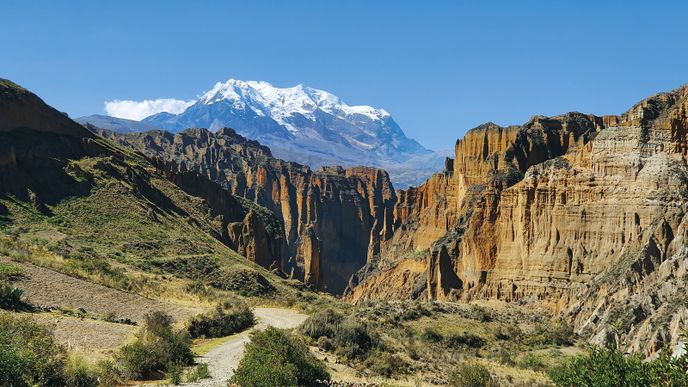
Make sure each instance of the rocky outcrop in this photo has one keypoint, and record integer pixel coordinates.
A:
(333, 219)
(578, 213)
(249, 229)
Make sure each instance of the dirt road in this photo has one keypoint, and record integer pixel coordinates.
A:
(224, 359)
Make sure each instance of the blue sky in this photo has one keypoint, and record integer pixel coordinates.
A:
(439, 67)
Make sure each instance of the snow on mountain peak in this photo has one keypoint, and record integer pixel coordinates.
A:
(280, 103)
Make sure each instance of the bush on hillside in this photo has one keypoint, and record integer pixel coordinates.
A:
(430, 334)
(200, 372)
(350, 337)
(610, 367)
(323, 323)
(470, 375)
(464, 340)
(10, 297)
(551, 333)
(354, 339)
(156, 347)
(274, 357)
(79, 373)
(386, 364)
(29, 354)
(222, 322)
(9, 271)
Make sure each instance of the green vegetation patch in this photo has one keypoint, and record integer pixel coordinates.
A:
(275, 357)
(212, 271)
(225, 320)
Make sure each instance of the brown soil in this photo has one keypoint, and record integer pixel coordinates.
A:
(45, 287)
(92, 338)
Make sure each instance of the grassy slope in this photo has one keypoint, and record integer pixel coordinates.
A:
(121, 232)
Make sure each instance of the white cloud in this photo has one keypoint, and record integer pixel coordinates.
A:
(138, 110)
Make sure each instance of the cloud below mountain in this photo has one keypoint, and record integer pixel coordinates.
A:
(138, 110)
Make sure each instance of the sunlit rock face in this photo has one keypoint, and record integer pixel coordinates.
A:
(581, 214)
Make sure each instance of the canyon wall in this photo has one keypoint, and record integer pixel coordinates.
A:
(581, 214)
(331, 220)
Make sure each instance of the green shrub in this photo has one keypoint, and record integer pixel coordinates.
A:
(222, 322)
(199, 372)
(325, 343)
(157, 346)
(480, 314)
(386, 364)
(207, 269)
(109, 375)
(464, 340)
(532, 362)
(323, 323)
(276, 358)
(609, 367)
(470, 375)
(354, 339)
(504, 356)
(174, 373)
(78, 373)
(431, 335)
(551, 333)
(351, 338)
(29, 354)
(10, 271)
(10, 297)
(414, 312)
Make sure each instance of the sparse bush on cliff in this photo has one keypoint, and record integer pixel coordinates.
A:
(275, 357)
(223, 321)
(157, 346)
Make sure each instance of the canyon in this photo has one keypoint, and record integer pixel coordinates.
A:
(582, 215)
(326, 223)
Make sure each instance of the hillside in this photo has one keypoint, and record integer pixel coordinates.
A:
(74, 202)
(332, 217)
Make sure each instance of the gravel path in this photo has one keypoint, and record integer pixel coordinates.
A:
(224, 359)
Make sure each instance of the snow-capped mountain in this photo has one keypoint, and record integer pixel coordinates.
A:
(305, 125)
(298, 123)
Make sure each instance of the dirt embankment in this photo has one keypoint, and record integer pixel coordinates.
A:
(45, 287)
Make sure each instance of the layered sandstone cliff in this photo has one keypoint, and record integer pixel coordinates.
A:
(331, 220)
(581, 214)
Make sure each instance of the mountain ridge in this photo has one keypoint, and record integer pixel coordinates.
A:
(302, 124)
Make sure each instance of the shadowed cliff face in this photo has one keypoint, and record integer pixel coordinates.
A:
(332, 219)
(582, 214)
